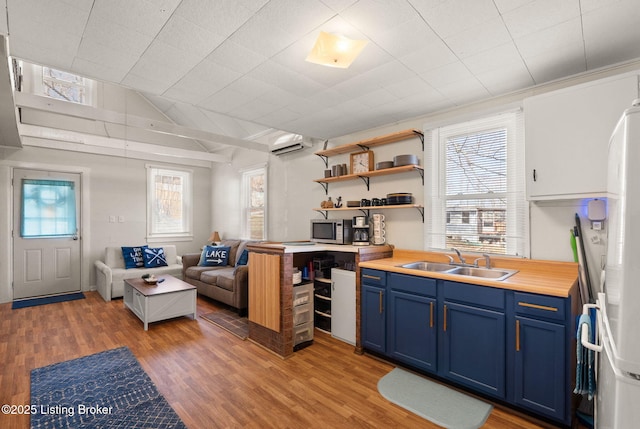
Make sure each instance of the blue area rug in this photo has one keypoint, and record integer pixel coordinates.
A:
(433, 401)
(105, 390)
(31, 302)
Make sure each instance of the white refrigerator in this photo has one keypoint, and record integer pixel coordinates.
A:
(618, 363)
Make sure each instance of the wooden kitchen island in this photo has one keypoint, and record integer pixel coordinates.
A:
(271, 267)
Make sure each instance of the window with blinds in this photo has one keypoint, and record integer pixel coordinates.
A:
(169, 208)
(475, 190)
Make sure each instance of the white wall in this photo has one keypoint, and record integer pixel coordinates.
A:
(225, 186)
(114, 186)
(550, 226)
(293, 194)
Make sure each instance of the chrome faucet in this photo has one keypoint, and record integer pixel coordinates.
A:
(487, 260)
(459, 255)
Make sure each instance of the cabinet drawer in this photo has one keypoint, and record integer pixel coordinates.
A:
(374, 277)
(302, 294)
(539, 306)
(412, 284)
(477, 295)
(302, 314)
(303, 333)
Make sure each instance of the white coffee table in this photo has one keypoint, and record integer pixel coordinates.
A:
(166, 300)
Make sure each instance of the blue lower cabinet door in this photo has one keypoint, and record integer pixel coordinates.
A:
(540, 382)
(474, 348)
(373, 309)
(412, 329)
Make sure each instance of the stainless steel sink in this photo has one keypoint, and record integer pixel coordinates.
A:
(429, 266)
(488, 273)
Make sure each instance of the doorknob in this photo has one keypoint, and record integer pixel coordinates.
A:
(75, 237)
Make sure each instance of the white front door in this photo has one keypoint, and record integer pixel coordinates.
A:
(46, 222)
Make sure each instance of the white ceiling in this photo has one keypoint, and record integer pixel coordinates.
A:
(237, 67)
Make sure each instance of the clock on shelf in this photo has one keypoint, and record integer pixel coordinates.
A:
(361, 162)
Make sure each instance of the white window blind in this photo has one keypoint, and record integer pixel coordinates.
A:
(474, 188)
(169, 210)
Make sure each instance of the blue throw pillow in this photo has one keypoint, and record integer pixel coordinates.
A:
(133, 256)
(243, 259)
(214, 256)
(154, 257)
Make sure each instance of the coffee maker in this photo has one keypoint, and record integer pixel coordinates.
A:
(360, 227)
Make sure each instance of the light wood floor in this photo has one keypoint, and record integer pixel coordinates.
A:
(210, 377)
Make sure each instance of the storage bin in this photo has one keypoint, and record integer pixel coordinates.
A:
(323, 321)
(302, 314)
(302, 294)
(303, 333)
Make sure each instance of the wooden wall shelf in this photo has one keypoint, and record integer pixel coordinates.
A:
(366, 209)
(368, 174)
(369, 143)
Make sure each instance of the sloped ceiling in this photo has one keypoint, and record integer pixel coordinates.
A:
(237, 67)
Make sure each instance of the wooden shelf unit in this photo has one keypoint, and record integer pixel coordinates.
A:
(372, 142)
(367, 144)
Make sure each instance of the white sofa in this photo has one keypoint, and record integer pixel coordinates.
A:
(111, 273)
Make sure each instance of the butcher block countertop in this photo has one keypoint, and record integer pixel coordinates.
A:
(536, 276)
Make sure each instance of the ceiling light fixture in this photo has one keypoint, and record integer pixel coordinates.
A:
(334, 50)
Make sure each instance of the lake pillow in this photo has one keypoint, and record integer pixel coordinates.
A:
(133, 256)
(154, 257)
(214, 256)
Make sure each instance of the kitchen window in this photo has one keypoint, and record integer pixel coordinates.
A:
(254, 200)
(475, 186)
(169, 207)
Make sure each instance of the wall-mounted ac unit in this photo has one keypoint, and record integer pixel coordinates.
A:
(290, 143)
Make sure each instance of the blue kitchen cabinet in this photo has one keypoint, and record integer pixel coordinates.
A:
(509, 345)
(412, 320)
(373, 310)
(541, 381)
(473, 349)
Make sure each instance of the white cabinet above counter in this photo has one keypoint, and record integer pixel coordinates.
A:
(567, 136)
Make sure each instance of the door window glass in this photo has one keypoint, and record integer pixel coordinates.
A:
(48, 208)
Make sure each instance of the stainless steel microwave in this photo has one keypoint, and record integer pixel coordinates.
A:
(332, 231)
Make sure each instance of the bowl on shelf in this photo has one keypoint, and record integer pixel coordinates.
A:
(384, 164)
(400, 160)
(399, 198)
